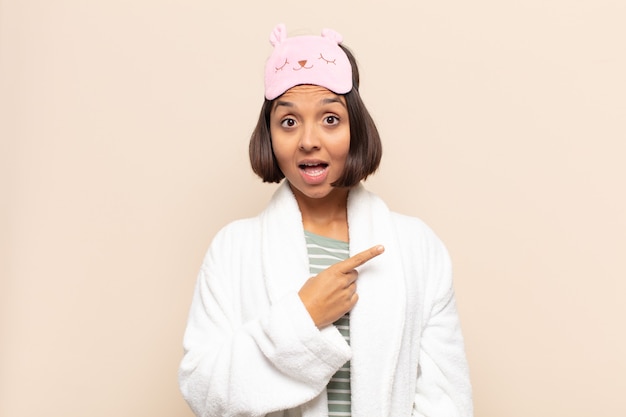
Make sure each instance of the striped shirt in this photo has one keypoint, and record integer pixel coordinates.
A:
(324, 252)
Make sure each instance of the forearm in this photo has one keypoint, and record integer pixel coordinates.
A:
(276, 362)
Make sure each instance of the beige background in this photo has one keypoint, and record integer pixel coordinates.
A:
(124, 128)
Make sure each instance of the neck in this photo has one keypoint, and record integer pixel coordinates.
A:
(327, 216)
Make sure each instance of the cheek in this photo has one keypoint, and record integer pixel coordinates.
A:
(343, 148)
(281, 153)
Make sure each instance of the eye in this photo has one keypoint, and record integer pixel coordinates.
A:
(282, 66)
(331, 120)
(328, 61)
(287, 122)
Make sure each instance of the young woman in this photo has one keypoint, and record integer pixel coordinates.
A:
(281, 323)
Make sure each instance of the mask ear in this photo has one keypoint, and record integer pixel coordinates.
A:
(332, 35)
(278, 35)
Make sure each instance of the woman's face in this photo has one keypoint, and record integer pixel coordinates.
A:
(310, 134)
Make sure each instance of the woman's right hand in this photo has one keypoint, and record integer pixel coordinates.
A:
(332, 293)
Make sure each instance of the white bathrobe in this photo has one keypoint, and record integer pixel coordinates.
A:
(251, 348)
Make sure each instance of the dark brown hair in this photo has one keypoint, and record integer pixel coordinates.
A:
(365, 145)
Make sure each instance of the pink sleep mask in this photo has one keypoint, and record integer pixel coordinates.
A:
(299, 60)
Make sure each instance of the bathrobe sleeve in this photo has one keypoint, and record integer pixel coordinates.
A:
(443, 387)
(275, 359)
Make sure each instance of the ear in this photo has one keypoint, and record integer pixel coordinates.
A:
(332, 35)
(278, 35)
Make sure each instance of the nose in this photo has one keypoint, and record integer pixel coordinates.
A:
(309, 139)
(302, 63)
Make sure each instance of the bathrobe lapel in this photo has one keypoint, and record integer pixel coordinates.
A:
(284, 253)
(377, 320)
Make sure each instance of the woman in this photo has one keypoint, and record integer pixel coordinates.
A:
(281, 323)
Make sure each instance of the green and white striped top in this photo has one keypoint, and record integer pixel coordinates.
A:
(324, 252)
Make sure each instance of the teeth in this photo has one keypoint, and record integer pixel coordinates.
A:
(315, 173)
(314, 169)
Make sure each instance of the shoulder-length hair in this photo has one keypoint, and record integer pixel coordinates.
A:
(365, 145)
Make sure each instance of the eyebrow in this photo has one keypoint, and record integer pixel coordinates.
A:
(322, 101)
(333, 100)
(283, 103)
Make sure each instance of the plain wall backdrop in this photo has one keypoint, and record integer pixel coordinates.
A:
(124, 128)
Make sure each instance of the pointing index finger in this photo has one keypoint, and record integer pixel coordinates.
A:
(360, 258)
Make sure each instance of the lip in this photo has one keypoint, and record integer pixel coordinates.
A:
(313, 171)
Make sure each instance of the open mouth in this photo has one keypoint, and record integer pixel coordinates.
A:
(313, 169)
